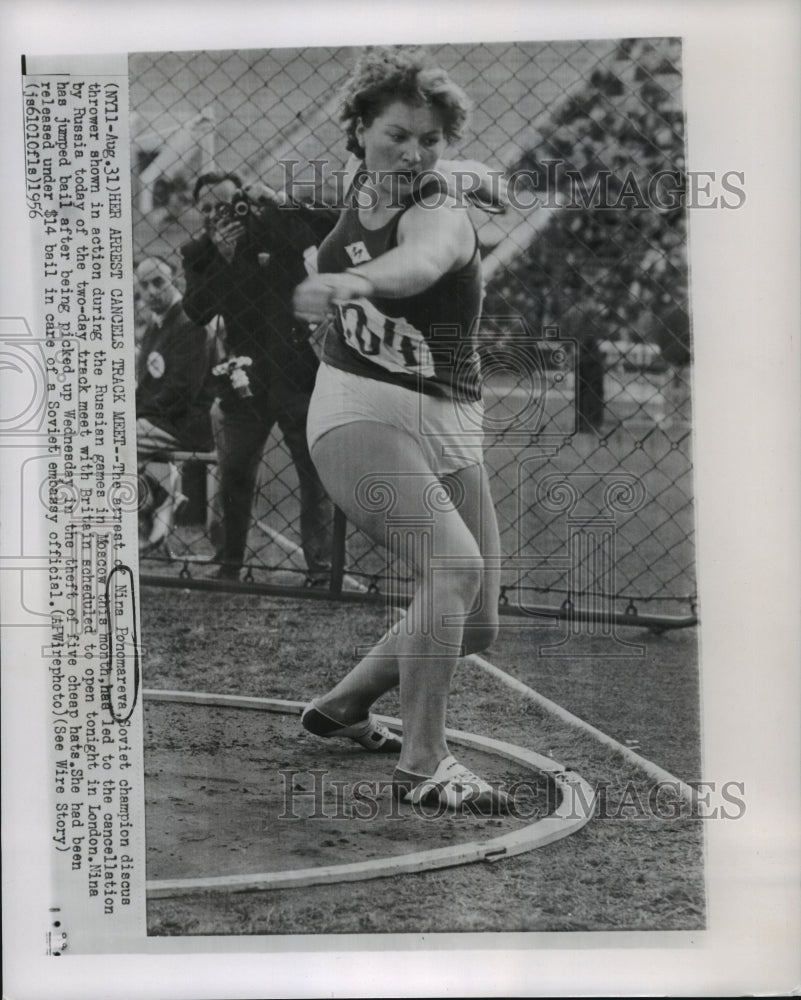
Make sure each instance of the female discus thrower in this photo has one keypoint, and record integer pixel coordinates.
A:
(395, 420)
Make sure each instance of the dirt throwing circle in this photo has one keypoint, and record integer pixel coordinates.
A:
(228, 788)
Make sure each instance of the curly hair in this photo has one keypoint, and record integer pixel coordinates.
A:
(383, 75)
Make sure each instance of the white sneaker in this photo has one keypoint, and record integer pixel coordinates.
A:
(453, 786)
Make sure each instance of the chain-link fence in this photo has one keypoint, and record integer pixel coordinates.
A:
(585, 338)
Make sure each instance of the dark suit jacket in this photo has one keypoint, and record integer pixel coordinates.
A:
(253, 295)
(173, 378)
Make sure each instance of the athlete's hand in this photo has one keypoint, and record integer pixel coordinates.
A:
(315, 297)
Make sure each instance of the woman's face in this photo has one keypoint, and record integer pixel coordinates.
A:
(402, 142)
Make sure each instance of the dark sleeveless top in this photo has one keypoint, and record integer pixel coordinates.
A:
(425, 342)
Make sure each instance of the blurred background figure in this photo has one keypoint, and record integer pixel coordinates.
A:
(164, 148)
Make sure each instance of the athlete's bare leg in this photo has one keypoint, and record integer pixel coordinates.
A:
(461, 580)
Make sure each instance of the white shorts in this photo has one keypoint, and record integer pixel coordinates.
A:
(449, 432)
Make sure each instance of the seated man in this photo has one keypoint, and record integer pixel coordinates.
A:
(173, 396)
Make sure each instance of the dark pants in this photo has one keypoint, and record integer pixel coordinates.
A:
(242, 435)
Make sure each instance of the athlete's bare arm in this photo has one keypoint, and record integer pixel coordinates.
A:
(431, 243)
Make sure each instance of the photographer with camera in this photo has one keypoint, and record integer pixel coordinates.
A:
(243, 268)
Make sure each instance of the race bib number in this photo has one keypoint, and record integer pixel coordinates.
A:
(390, 342)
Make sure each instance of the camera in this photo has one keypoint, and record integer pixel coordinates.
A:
(240, 206)
(237, 210)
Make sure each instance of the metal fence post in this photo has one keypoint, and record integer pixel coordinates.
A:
(339, 536)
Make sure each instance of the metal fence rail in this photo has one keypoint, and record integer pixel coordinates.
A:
(585, 337)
